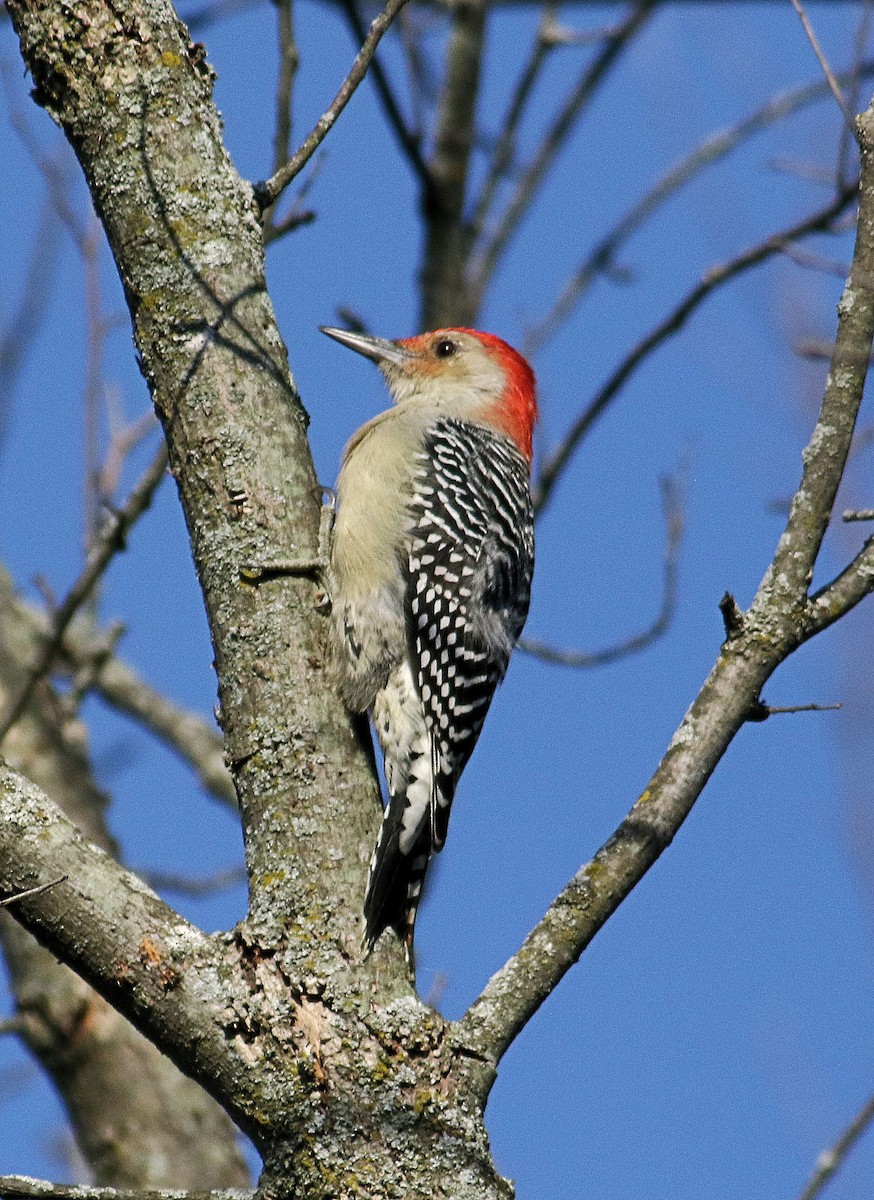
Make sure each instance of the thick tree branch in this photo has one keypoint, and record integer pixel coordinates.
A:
(444, 297)
(779, 620)
(104, 921)
(21, 1187)
(189, 249)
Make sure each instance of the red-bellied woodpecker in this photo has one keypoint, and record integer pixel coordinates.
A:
(431, 566)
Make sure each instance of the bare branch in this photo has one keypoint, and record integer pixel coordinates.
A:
(817, 262)
(824, 63)
(505, 147)
(24, 324)
(288, 64)
(842, 595)
(187, 885)
(802, 708)
(715, 278)
(601, 259)
(21, 1187)
(830, 1161)
(673, 513)
(123, 439)
(269, 191)
(855, 101)
(861, 514)
(420, 76)
(101, 554)
(526, 189)
(445, 299)
(88, 657)
(779, 620)
(13, 1025)
(407, 139)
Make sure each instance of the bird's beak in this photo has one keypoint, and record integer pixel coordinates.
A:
(380, 350)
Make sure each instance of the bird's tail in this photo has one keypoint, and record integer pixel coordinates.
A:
(403, 849)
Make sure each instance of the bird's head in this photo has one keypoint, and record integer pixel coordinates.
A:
(467, 374)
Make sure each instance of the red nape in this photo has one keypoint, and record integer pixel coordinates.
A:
(516, 411)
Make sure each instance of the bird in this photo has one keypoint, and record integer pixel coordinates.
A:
(431, 565)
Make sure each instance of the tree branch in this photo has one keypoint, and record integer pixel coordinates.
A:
(105, 547)
(673, 514)
(715, 278)
(21, 1187)
(824, 63)
(269, 191)
(601, 259)
(140, 955)
(504, 150)
(408, 141)
(444, 296)
(831, 1160)
(779, 620)
(488, 257)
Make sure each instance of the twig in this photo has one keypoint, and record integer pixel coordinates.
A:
(21, 1187)
(505, 147)
(107, 545)
(52, 169)
(526, 189)
(13, 1025)
(419, 76)
(796, 169)
(407, 140)
(601, 258)
(816, 262)
(863, 439)
(288, 64)
(673, 514)
(715, 278)
(269, 191)
(34, 891)
(832, 1159)
(823, 62)
(861, 514)
(860, 46)
(122, 440)
(196, 742)
(813, 350)
(187, 885)
(23, 326)
(762, 711)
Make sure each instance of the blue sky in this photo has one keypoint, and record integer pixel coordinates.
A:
(716, 1036)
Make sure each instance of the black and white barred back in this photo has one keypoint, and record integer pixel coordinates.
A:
(468, 584)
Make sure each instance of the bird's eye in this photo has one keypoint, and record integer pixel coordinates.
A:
(445, 348)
